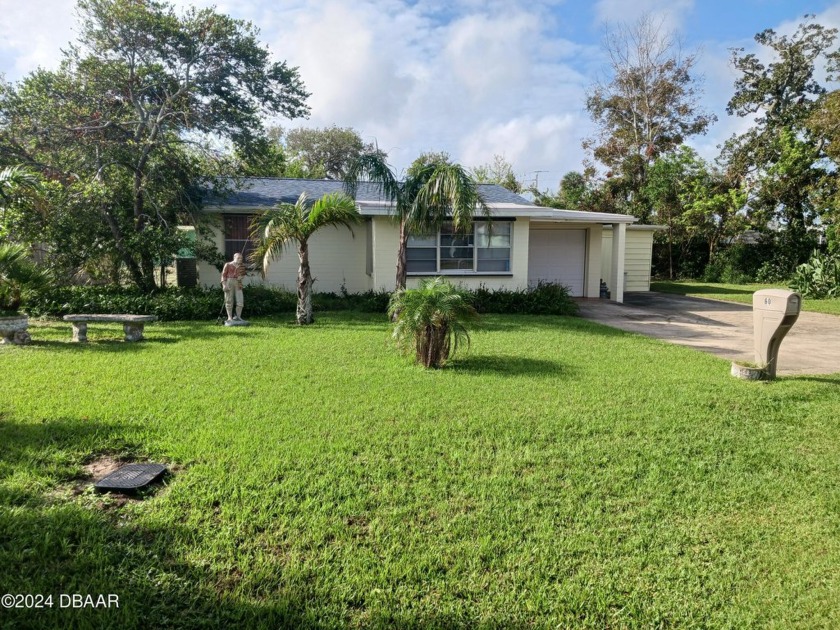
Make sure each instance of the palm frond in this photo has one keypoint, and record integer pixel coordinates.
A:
(14, 177)
(372, 167)
(445, 192)
(19, 276)
(275, 230)
(336, 209)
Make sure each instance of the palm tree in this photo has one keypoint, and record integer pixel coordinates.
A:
(14, 177)
(434, 191)
(431, 320)
(287, 224)
(19, 277)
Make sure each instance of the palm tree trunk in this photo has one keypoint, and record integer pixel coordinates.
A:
(401, 270)
(401, 264)
(304, 288)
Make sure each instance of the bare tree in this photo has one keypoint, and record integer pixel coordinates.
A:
(648, 106)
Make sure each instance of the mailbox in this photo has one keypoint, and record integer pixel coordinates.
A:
(774, 312)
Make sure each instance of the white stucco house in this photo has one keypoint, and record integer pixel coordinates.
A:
(524, 244)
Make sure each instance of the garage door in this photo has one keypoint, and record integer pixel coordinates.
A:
(558, 256)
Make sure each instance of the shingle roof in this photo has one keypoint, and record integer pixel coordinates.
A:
(257, 192)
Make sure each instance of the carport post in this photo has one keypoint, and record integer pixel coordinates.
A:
(619, 241)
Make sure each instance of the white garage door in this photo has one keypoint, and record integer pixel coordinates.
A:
(558, 256)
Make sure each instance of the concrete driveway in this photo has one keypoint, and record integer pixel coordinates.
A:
(723, 328)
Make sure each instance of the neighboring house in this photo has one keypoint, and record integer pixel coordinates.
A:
(523, 245)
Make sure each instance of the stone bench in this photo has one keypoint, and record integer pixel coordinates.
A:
(132, 324)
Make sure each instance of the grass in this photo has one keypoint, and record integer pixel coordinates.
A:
(560, 474)
(738, 293)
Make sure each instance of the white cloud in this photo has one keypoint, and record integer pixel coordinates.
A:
(671, 12)
(548, 143)
(349, 59)
(32, 34)
(471, 77)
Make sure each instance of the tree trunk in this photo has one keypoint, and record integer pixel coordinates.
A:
(304, 288)
(433, 346)
(670, 251)
(401, 270)
(401, 262)
(131, 264)
(147, 264)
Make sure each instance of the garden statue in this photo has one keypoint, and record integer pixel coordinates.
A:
(232, 274)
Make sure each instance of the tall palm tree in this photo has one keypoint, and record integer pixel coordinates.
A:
(289, 224)
(432, 193)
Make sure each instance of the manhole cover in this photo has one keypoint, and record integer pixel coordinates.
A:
(130, 477)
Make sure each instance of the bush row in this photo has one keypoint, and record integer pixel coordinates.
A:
(202, 304)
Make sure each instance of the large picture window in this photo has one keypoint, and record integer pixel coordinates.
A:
(238, 236)
(486, 249)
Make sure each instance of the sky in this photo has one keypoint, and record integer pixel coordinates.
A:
(474, 78)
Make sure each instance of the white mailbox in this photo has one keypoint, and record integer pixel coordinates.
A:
(774, 312)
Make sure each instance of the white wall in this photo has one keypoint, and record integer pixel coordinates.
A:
(337, 257)
(637, 258)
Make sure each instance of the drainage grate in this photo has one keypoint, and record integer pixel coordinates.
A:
(130, 477)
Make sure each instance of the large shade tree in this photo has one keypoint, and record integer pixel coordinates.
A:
(120, 120)
(292, 225)
(433, 192)
(781, 156)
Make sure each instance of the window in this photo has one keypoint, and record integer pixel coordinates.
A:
(238, 236)
(486, 249)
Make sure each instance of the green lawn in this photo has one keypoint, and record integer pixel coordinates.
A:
(738, 293)
(560, 474)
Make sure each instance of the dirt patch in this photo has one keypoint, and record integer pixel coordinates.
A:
(102, 466)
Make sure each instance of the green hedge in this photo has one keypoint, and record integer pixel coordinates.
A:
(544, 299)
(202, 304)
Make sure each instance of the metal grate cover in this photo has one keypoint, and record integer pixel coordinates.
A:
(130, 478)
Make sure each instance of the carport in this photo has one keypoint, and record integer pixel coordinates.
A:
(564, 246)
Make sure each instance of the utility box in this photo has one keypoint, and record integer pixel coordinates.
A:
(774, 312)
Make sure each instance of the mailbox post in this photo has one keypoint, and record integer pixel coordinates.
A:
(774, 312)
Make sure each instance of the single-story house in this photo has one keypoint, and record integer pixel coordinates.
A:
(523, 245)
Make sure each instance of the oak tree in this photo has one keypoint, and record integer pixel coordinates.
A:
(120, 121)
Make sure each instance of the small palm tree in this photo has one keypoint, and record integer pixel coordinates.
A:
(290, 224)
(19, 277)
(432, 320)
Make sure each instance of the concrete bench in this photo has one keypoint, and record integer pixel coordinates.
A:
(132, 324)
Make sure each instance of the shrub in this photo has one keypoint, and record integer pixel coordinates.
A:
(819, 277)
(740, 263)
(168, 304)
(431, 320)
(367, 302)
(206, 303)
(20, 278)
(546, 298)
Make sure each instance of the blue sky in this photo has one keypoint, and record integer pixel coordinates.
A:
(471, 77)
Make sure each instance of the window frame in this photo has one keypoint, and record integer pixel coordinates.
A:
(250, 244)
(473, 238)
